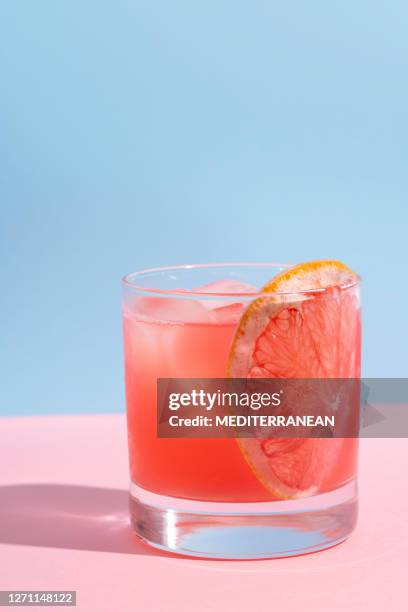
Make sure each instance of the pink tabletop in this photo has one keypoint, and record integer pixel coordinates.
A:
(64, 525)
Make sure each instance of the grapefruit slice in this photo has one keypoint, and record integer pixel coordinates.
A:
(309, 327)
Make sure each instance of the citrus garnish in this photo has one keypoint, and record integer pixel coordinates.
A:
(309, 327)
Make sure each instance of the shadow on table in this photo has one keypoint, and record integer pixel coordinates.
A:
(69, 516)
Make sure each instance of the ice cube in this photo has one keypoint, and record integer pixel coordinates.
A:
(179, 310)
(228, 314)
(229, 285)
(226, 308)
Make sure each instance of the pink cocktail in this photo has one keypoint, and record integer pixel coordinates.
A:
(189, 322)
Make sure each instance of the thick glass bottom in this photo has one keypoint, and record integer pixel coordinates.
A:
(244, 530)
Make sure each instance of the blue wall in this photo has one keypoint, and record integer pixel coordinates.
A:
(144, 133)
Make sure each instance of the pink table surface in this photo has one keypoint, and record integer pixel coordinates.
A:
(64, 525)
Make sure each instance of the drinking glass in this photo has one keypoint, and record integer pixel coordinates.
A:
(210, 497)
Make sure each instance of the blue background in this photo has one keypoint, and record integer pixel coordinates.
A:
(150, 133)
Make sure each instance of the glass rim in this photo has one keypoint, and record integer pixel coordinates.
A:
(127, 281)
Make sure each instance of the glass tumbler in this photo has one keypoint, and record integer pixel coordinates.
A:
(216, 497)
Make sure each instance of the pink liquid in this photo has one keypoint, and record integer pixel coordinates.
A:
(173, 338)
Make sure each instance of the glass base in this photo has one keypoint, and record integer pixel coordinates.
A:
(259, 530)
